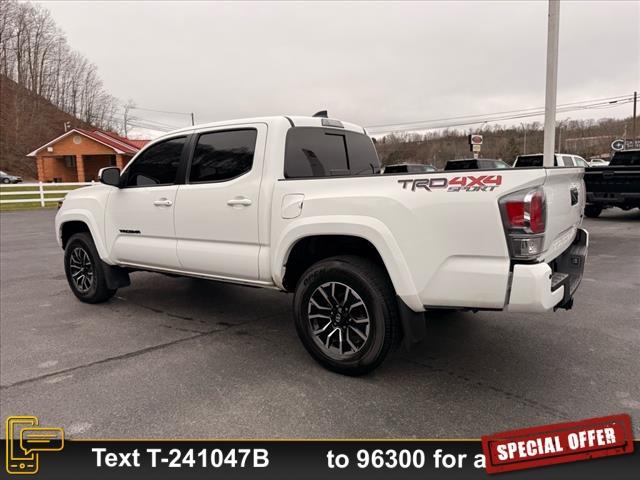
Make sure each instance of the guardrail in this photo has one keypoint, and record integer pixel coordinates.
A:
(38, 192)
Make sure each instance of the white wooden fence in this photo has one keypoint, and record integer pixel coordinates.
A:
(37, 192)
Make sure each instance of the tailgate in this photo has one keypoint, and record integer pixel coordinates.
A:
(612, 179)
(565, 193)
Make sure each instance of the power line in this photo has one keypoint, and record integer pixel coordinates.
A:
(431, 125)
(500, 116)
(160, 111)
(497, 119)
(143, 123)
(609, 99)
(497, 113)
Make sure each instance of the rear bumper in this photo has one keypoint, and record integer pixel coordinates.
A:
(545, 286)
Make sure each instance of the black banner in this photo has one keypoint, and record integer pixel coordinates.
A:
(295, 460)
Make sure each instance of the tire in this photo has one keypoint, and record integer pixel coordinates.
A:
(592, 211)
(6, 180)
(359, 335)
(82, 260)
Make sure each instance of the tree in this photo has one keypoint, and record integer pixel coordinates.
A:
(35, 54)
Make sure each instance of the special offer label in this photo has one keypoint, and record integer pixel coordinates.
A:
(558, 443)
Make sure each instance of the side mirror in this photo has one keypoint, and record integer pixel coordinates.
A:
(110, 176)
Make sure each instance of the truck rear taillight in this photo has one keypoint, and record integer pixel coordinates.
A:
(524, 219)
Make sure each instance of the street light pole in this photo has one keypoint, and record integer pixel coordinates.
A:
(561, 123)
(635, 103)
(553, 32)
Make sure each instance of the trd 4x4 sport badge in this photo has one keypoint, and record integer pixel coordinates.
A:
(469, 183)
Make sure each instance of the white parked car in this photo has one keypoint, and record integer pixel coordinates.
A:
(297, 204)
(598, 162)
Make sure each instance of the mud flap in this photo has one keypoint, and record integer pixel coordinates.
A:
(570, 265)
(115, 277)
(414, 327)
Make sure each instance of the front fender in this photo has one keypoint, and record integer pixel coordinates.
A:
(368, 228)
(80, 215)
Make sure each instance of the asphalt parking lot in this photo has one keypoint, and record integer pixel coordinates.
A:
(172, 357)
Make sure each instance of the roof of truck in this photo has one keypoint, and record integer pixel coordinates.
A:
(294, 121)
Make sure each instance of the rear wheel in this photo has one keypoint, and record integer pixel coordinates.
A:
(592, 211)
(84, 271)
(346, 314)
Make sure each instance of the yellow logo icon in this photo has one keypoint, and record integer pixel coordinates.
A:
(25, 440)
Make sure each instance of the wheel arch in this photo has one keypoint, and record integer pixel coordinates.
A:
(72, 222)
(366, 236)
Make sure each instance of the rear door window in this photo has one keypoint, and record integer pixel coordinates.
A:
(567, 161)
(224, 155)
(580, 162)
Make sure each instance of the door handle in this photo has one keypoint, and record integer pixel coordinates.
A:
(574, 196)
(239, 201)
(163, 202)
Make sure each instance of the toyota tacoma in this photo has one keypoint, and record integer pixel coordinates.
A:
(298, 204)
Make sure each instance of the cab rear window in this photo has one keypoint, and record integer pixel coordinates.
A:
(462, 165)
(529, 161)
(313, 152)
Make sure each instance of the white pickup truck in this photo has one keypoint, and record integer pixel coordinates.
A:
(298, 204)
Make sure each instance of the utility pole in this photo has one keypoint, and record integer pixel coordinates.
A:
(193, 121)
(553, 32)
(635, 106)
(561, 124)
(559, 147)
(524, 130)
(130, 105)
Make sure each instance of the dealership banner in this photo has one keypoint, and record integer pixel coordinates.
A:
(281, 459)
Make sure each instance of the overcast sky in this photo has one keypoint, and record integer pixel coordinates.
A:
(370, 63)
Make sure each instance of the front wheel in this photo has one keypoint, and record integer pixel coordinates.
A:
(592, 211)
(346, 314)
(84, 271)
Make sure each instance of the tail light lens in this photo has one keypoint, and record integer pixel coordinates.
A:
(524, 216)
(536, 212)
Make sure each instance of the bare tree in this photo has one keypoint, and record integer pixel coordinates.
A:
(35, 54)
